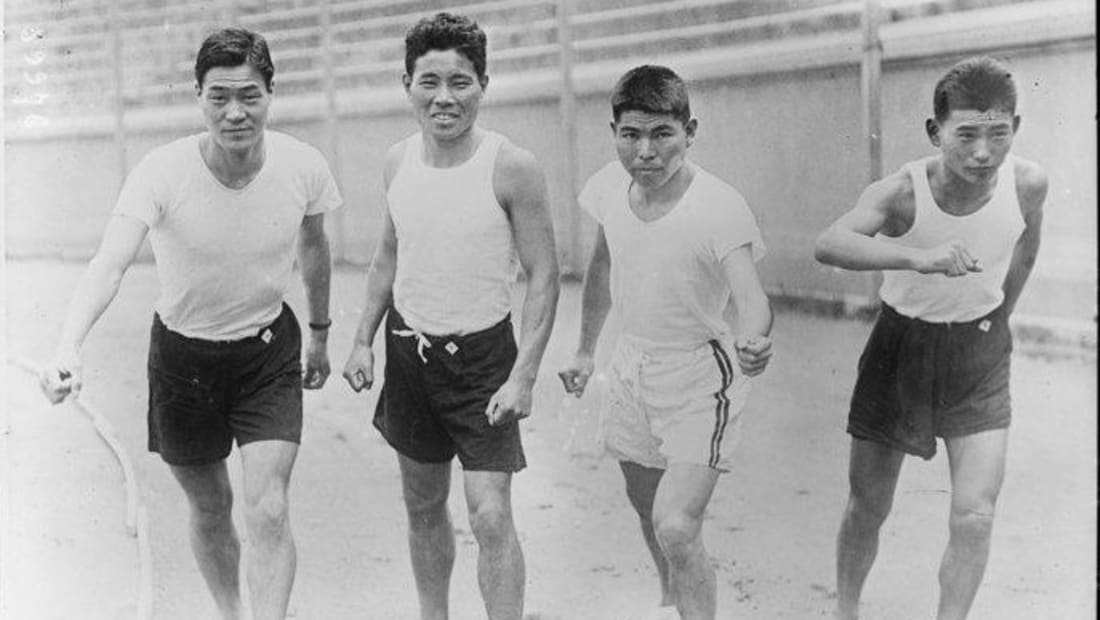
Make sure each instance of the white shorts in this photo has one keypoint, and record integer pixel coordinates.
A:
(674, 406)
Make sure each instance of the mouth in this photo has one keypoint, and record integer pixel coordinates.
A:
(444, 116)
(237, 131)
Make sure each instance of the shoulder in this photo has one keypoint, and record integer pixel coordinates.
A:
(610, 175)
(299, 150)
(393, 158)
(1031, 184)
(891, 192)
(516, 172)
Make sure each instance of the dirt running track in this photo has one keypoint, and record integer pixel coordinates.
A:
(770, 528)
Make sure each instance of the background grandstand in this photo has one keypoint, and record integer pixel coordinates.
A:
(91, 86)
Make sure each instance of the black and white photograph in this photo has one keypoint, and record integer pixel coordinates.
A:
(549, 310)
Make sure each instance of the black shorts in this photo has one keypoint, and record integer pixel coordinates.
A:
(433, 407)
(919, 380)
(204, 394)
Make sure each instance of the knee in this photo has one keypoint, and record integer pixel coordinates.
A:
(214, 508)
(426, 512)
(267, 513)
(867, 512)
(678, 535)
(491, 524)
(972, 524)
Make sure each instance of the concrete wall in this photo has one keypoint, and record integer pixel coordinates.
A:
(791, 141)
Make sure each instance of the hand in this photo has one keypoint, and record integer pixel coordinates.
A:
(62, 377)
(575, 376)
(753, 354)
(511, 402)
(359, 369)
(317, 366)
(950, 259)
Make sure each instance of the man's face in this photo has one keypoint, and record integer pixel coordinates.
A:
(652, 146)
(974, 143)
(234, 102)
(445, 93)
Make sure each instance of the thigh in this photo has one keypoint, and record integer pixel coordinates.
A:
(873, 470)
(266, 401)
(685, 489)
(641, 485)
(424, 484)
(266, 467)
(488, 491)
(977, 469)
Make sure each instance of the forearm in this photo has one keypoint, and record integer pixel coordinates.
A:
(1018, 273)
(595, 306)
(850, 250)
(540, 304)
(754, 317)
(94, 292)
(316, 265)
(380, 276)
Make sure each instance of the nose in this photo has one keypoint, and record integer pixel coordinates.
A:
(645, 149)
(234, 112)
(981, 151)
(444, 95)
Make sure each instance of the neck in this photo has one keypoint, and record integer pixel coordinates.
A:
(672, 189)
(446, 152)
(233, 167)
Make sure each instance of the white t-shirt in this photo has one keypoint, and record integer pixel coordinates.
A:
(668, 285)
(225, 256)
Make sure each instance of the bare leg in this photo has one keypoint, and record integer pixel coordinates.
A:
(214, 540)
(272, 558)
(678, 509)
(431, 534)
(500, 567)
(977, 470)
(641, 487)
(872, 477)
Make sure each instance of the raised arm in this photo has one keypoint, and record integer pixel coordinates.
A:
(886, 206)
(94, 292)
(1031, 188)
(519, 183)
(315, 262)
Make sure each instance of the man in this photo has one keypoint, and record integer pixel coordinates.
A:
(674, 246)
(956, 235)
(461, 203)
(223, 210)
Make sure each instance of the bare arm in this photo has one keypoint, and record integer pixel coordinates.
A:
(595, 305)
(315, 261)
(754, 313)
(1032, 191)
(94, 292)
(886, 206)
(359, 369)
(521, 187)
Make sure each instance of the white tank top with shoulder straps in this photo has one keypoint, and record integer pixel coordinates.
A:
(456, 257)
(989, 234)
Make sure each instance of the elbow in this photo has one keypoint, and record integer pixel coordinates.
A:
(825, 249)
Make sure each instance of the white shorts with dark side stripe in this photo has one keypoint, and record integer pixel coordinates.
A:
(667, 406)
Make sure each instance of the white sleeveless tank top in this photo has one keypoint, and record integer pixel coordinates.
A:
(989, 234)
(456, 257)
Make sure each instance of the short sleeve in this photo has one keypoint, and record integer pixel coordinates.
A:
(600, 187)
(324, 194)
(734, 227)
(140, 197)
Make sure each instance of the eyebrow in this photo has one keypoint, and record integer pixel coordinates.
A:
(221, 87)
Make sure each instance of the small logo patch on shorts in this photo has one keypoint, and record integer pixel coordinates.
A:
(451, 348)
(985, 325)
(266, 336)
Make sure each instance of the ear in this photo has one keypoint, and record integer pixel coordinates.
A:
(613, 124)
(198, 89)
(932, 128)
(690, 128)
(484, 81)
(1015, 123)
(406, 81)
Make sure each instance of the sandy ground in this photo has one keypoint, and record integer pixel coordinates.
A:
(770, 528)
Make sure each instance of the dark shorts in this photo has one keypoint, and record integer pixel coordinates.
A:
(204, 394)
(432, 408)
(919, 380)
